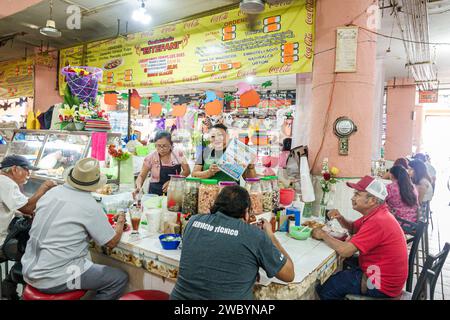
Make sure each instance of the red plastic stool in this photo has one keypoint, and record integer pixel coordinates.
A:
(145, 295)
(31, 293)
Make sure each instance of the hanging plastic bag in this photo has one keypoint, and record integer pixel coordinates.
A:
(305, 181)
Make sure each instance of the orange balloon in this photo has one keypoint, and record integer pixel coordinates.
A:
(155, 109)
(213, 108)
(179, 110)
(249, 99)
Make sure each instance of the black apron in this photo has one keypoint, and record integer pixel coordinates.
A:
(164, 176)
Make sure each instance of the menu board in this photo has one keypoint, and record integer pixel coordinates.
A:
(212, 48)
(16, 78)
(236, 158)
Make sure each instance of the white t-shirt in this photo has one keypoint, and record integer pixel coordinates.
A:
(11, 199)
(65, 221)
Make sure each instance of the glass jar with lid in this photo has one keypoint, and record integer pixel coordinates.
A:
(190, 197)
(275, 191)
(253, 187)
(267, 194)
(175, 193)
(207, 195)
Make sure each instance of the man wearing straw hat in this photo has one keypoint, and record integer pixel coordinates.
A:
(67, 217)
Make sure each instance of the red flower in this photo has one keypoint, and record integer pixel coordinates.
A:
(327, 176)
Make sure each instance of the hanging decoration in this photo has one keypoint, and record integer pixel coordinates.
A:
(168, 106)
(20, 102)
(161, 124)
(110, 98)
(135, 100)
(248, 97)
(266, 84)
(5, 106)
(179, 110)
(213, 104)
(155, 107)
(124, 96)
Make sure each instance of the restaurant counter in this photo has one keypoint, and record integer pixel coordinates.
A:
(152, 268)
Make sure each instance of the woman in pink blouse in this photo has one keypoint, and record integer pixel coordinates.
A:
(162, 163)
(402, 196)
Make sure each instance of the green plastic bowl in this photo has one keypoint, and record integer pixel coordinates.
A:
(300, 232)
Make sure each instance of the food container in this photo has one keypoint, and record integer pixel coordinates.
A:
(190, 197)
(267, 194)
(253, 187)
(275, 191)
(170, 241)
(300, 232)
(243, 137)
(207, 195)
(286, 196)
(260, 138)
(175, 193)
(153, 219)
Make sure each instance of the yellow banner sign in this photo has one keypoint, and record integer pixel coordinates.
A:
(16, 78)
(213, 48)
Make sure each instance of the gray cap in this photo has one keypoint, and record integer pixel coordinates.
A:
(17, 160)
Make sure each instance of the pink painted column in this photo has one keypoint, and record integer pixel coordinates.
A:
(419, 121)
(347, 94)
(10, 7)
(45, 88)
(401, 100)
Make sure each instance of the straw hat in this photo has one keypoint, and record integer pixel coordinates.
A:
(85, 175)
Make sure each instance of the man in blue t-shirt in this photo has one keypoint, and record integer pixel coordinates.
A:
(222, 253)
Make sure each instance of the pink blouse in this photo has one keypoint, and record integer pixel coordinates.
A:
(152, 162)
(396, 204)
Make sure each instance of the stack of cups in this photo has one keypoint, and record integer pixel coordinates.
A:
(153, 212)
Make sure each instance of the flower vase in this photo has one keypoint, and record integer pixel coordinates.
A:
(307, 210)
(323, 206)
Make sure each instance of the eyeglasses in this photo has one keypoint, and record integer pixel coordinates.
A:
(162, 146)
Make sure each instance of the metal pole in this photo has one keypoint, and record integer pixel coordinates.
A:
(129, 115)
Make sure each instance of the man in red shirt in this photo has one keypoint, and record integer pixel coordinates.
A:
(383, 254)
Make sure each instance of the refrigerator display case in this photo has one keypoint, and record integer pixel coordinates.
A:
(53, 152)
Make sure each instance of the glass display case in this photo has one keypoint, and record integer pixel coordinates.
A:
(28, 144)
(6, 135)
(54, 151)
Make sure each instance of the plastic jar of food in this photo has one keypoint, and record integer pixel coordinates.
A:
(267, 194)
(275, 191)
(253, 187)
(175, 193)
(207, 195)
(190, 197)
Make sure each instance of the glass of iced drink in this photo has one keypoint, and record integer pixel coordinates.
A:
(135, 217)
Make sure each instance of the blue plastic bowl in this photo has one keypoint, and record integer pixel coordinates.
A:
(169, 245)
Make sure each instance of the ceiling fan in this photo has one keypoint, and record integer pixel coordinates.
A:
(253, 8)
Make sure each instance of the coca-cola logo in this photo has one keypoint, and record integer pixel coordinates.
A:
(191, 24)
(219, 17)
(283, 69)
(168, 81)
(246, 73)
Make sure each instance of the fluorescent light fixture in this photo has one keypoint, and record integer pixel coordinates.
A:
(141, 15)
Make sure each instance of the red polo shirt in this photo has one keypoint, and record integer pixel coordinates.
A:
(383, 254)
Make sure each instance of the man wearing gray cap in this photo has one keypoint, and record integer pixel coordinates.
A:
(14, 172)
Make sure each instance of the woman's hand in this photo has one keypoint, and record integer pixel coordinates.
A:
(213, 169)
(165, 187)
(136, 192)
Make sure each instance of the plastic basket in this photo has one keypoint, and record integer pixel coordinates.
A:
(83, 87)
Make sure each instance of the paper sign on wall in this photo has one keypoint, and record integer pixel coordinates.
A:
(346, 49)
